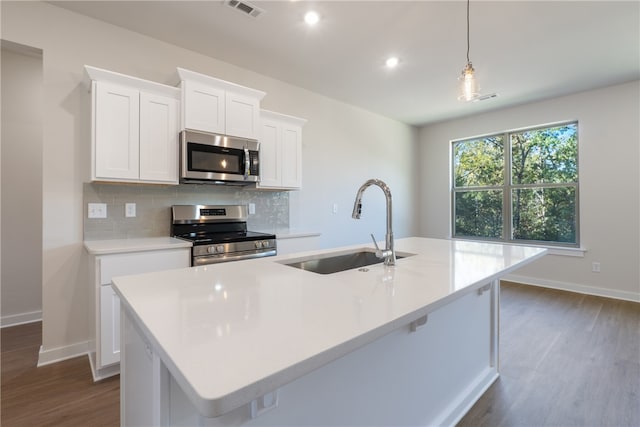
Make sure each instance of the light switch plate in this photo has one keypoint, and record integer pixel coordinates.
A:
(130, 210)
(96, 210)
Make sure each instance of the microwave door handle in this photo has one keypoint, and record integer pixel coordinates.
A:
(247, 163)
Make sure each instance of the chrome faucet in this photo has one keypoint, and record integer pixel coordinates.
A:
(389, 253)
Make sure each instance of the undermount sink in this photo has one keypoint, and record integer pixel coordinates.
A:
(334, 263)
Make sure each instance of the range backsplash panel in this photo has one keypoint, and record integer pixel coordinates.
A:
(153, 202)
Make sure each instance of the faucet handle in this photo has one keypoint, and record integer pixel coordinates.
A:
(375, 243)
(379, 253)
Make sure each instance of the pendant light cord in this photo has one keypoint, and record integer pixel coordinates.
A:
(468, 43)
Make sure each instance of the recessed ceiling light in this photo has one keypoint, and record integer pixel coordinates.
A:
(311, 18)
(392, 62)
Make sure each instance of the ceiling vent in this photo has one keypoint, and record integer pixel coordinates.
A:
(485, 97)
(245, 8)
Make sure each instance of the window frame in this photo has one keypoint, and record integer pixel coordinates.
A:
(507, 187)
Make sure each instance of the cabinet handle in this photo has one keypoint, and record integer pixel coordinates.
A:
(247, 163)
(413, 326)
(264, 403)
(484, 289)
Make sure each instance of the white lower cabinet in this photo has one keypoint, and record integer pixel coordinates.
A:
(109, 326)
(105, 352)
(448, 359)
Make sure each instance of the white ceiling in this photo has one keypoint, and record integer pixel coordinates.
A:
(522, 50)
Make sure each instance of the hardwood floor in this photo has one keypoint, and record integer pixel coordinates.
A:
(62, 394)
(566, 359)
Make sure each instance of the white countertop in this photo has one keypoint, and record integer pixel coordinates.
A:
(232, 332)
(293, 234)
(289, 233)
(116, 246)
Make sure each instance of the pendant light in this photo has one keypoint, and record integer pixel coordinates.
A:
(469, 89)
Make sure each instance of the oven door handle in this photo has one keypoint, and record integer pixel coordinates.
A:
(214, 259)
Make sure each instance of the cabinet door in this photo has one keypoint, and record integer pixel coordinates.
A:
(243, 116)
(204, 107)
(270, 154)
(116, 132)
(158, 138)
(291, 156)
(122, 264)
(109, 327)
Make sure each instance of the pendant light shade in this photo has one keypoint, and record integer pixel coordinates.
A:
(468, 85)
(469, 89)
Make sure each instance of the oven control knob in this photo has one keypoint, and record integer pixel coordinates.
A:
(258, 244)
(220, 248)
(265, 244)
(211, 249)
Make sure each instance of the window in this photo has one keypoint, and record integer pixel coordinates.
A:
(519, 186)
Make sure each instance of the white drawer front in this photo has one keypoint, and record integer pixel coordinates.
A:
(142, 262)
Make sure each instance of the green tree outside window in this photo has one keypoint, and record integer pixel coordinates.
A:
(518, 186)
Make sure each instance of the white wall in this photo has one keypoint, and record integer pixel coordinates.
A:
(335, 134)
(21, 184)
(609, 141)
(346, 150)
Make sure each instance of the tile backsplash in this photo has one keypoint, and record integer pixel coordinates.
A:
(153, 203)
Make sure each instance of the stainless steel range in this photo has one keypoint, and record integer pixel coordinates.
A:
(219, 233)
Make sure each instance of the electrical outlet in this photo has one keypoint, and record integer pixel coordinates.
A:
(130, 210)
(252, 208)
(96, 210)
(335, 208)
(595, 267)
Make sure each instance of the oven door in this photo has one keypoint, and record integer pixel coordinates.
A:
(216, 158)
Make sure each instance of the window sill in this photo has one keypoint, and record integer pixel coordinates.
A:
(575, 252)
(555, 250)
(552, 250)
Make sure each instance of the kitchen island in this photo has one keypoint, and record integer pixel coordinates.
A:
(259, 342)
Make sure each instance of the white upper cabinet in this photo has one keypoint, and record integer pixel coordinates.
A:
(158, 138)
(291, 155)
(116, 131)
(217, 106)
(280, 151)
(242, 115)
(270, 154)
(204, 107)
(135, 126)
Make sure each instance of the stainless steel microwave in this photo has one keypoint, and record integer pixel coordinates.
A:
(217, 159)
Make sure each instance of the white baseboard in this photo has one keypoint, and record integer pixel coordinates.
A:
(102, 373)
(467, 398)
(574, 287)
(47, 357)
(21, 319)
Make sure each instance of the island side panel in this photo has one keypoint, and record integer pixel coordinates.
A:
(144, 379)
(430, 376)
